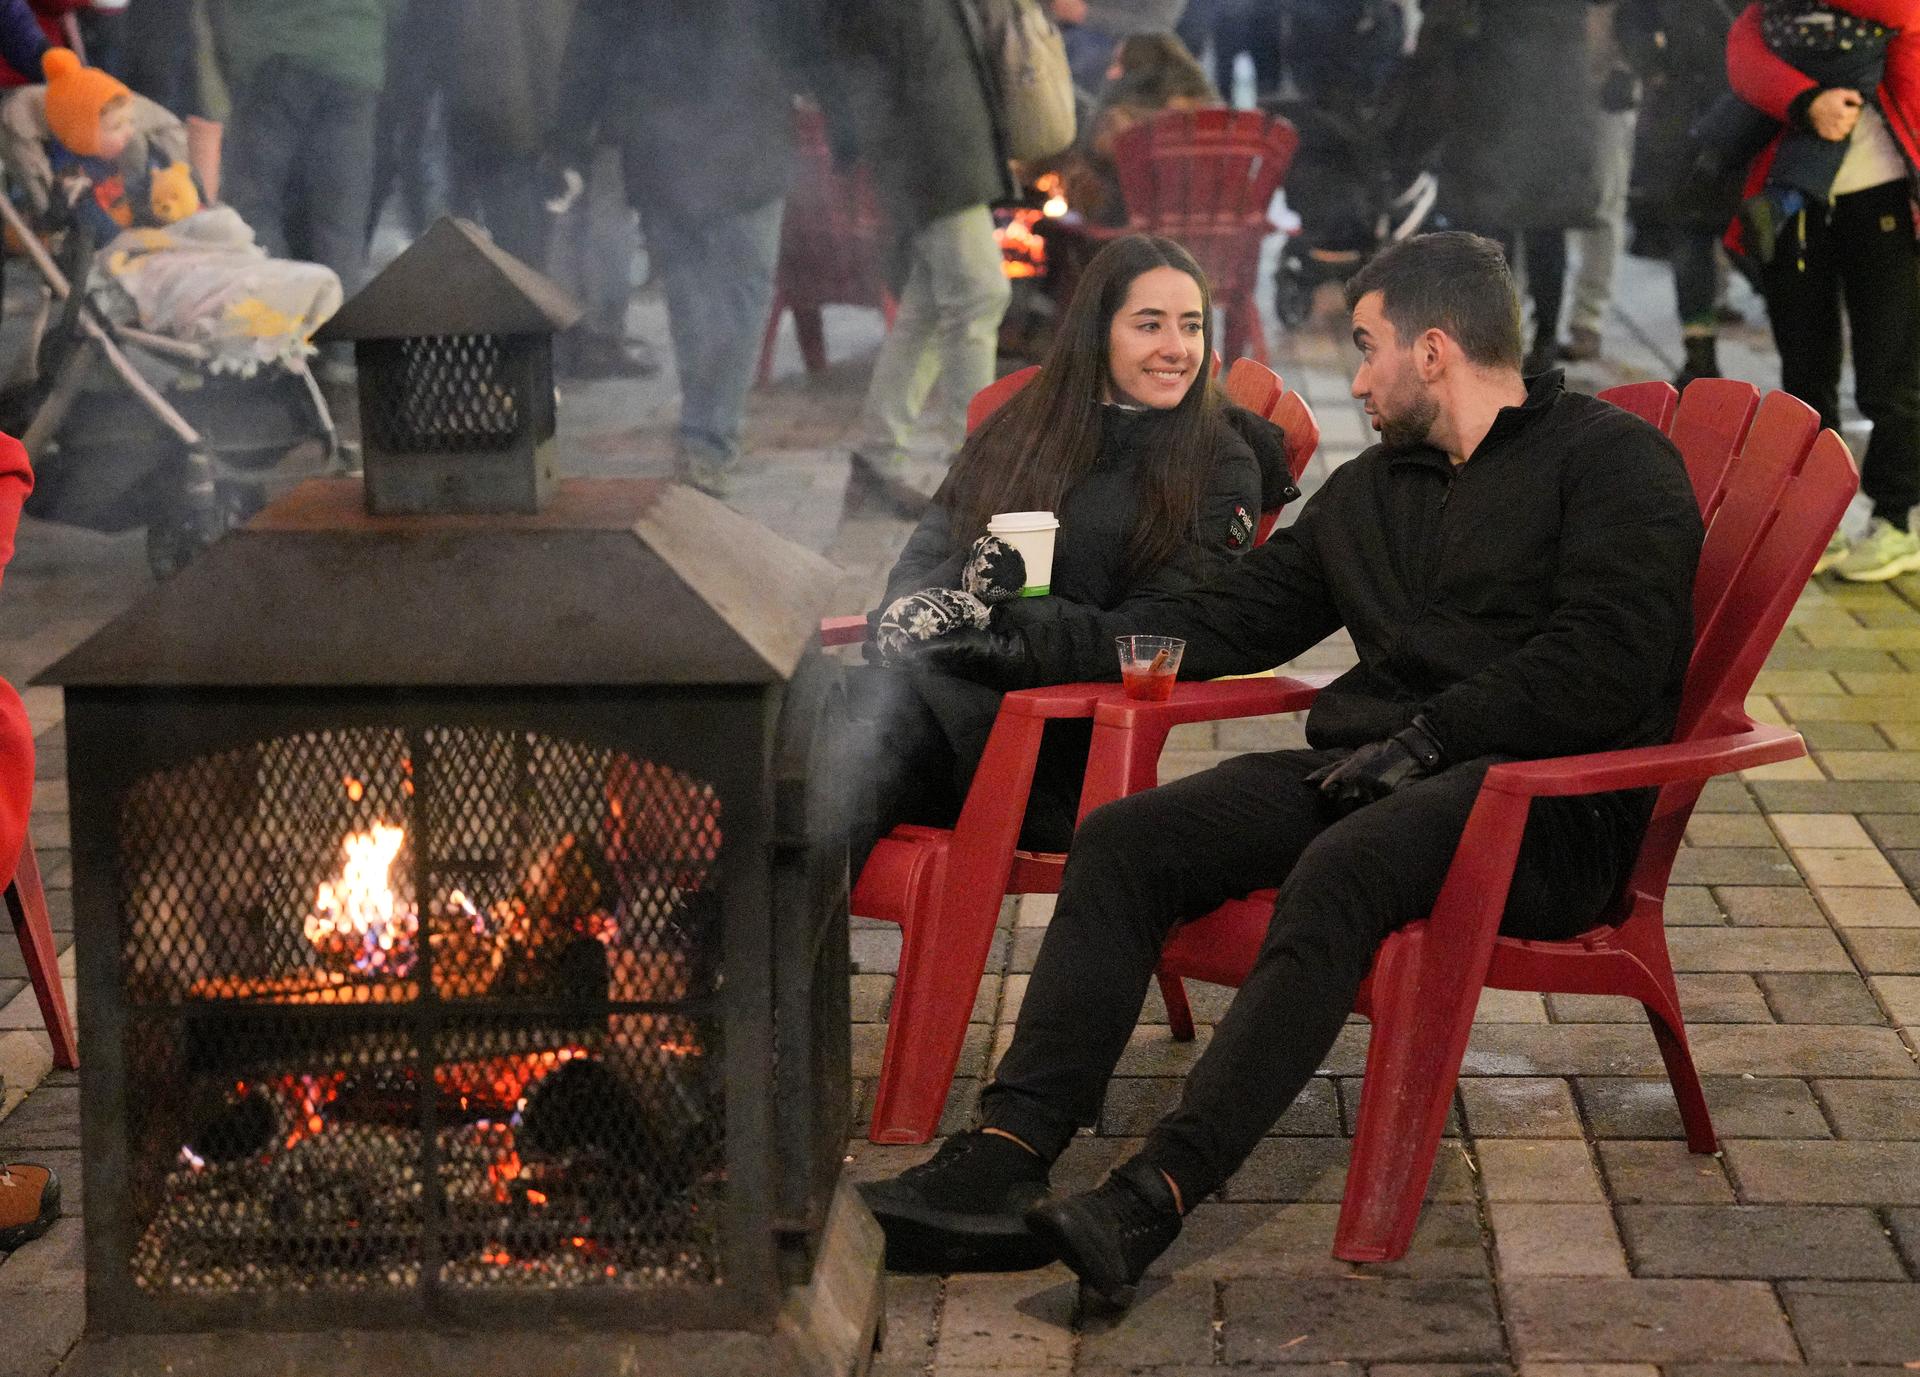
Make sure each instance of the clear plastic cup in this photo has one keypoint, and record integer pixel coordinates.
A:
(1149, 665)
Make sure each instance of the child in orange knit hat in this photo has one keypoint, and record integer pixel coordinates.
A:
(90, 117)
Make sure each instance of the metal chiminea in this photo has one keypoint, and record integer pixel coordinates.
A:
(454, 343)
(462, 928)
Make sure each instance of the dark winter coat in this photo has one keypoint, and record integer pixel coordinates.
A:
(1678, 49)
(1509, 89)
(505, 69)
(1090, 576)
(911, 97)
(1534, 602)
(697, 95)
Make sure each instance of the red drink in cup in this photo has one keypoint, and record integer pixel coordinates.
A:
(1149, 665)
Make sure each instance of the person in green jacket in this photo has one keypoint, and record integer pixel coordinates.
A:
(305, 77)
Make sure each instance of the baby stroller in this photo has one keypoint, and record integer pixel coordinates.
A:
(126, 426)
(1343, 186)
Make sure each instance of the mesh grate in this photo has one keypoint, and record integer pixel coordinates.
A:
(508, 1082)
(442, 394)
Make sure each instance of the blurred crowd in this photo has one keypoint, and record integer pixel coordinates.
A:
(1773, 139)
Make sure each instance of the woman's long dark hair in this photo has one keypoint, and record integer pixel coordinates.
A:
(1046, 438)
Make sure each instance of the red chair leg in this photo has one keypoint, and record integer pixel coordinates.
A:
(811, 331)
(947, 932)
(27, 903)
(1173, 992)
(1246, 336)
(770, 339)
(1645, 939)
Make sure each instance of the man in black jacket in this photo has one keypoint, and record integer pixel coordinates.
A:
(1515, 565)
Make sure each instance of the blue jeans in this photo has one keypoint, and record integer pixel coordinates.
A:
(718, 274)
(299, 166)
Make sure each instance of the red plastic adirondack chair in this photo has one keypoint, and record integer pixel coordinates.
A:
(26, 901)
(1205, 178)
(1783, 497)
(944, 886)
(830, 247)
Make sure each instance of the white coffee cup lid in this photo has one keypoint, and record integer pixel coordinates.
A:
(1023, 521)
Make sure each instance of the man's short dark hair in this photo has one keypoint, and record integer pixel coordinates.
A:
(1451, 281)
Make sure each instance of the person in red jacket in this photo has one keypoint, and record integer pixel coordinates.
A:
(1862, 253)
(29, 1193)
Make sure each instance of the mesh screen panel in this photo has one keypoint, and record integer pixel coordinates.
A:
(442, 394)
(422, 1006)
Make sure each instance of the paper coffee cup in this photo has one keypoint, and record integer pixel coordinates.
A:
(1031, 533)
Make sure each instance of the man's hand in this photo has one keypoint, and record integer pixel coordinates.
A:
(998, 659)
(1380, 767)
(1834, 113)
(1070, 11)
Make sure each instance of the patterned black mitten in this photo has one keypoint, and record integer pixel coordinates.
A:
(926, 616)
(995, 571)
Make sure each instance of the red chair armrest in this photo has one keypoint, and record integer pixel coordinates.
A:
(1644, 766)
(843, 630)
(1057, 700)
(1215, 701)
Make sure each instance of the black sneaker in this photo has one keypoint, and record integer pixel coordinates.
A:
(887, 486)
(1111, 1234)
(964, 1209)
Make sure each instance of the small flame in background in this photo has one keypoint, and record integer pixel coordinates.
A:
(1023, 253)
(357, 919)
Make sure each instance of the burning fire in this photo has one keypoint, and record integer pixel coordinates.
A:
(1023, 253)
(357, 919)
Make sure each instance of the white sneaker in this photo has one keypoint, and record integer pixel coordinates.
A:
(1837, 547)
(1885, 552)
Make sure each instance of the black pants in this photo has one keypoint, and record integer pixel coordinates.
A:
(1142, 864)
(1861, 252)
(1546, 255)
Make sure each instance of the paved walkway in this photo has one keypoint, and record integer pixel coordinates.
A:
(1570, 1234)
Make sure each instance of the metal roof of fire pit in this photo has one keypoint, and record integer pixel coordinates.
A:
(619, 582)
(453, 280)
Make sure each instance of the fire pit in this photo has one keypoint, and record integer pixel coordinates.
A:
(463, 950)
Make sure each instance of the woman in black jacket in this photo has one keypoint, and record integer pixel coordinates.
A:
(1157, 484)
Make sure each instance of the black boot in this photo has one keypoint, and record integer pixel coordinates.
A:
(1703, 360)
(964, 1210)
(1110, 1235)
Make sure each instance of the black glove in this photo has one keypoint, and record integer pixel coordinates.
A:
(998, 659)
(1378, 768)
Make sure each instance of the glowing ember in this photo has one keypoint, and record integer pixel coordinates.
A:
(357, 920)
(1023, 253)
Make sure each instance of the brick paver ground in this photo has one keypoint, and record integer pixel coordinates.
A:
(1569, 1233)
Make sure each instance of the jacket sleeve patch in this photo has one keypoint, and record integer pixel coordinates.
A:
(1239, 529)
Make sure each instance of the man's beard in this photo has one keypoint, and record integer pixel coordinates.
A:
(1412, 426)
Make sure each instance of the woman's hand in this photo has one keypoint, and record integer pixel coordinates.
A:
(1833, 114)
(928, 615)
(995, 572)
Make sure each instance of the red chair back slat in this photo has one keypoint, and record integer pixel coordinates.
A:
(996, 394)
(1779, 509)
(1653, 402)
(1255, 386)
(1709, 428)
(1776, 443)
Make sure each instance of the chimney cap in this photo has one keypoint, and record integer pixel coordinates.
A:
(453, 280)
